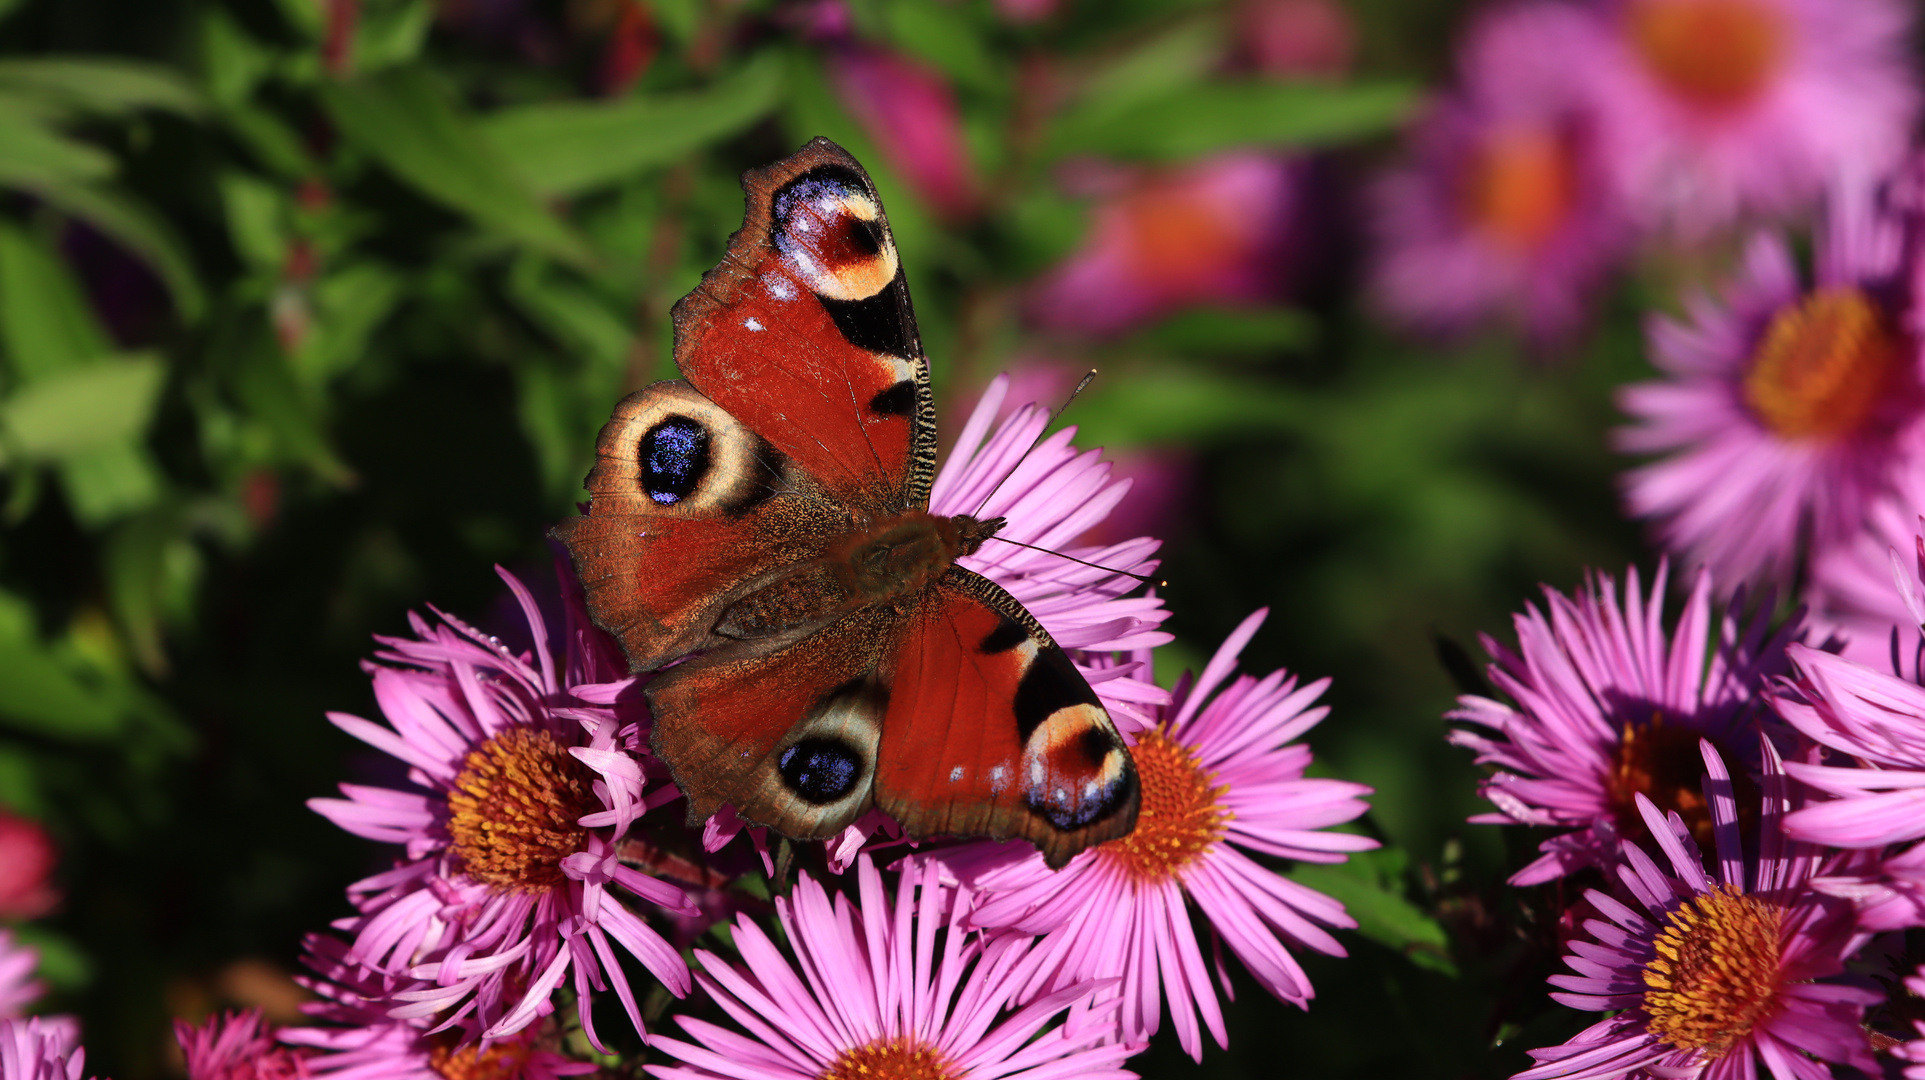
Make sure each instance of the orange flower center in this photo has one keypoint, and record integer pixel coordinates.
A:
(502, 1061)
(514, 810)
(1822, 365)
(1174, 235)
(1715, 975)
(1713, 53)
(1663, 763)
(891, 1059)
(1521, 186)
(1182, 812)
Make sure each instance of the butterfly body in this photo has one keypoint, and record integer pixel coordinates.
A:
(760, 537)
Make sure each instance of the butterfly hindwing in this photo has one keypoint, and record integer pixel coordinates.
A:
(991, 731)
(680, 483)
(805, 333)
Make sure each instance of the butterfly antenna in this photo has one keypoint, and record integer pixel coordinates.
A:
(1144, 578)
(1081, 385)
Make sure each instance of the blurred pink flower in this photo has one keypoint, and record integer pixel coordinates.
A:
(237, 1046)
(1713, 975)
(18, 987)
(1294, 38)
(27, 860)
(526, 775)
(41, 1048)
(874, 992)
(1214, 232)
(1222, 778)
(910, 113)
(1708, 109)
(1505, 211)
(1607, 708)
(1865, 589)
(1784, 410)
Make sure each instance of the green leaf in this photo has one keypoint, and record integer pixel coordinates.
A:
(1181, 56)
(44, 695)
(256, 219)
(232, 62)
(350, 302)
(45, 321)
(946, 37)
(102, 84)
(33, 155)
(405, 120)
(83, 408)
(147, 235)
(393, 36)
(570, 148)
(680, 18)
(1204, 119)
(1368, 886)
(1218, 331)
(151, 567)
(1187, 406)
(63, 964)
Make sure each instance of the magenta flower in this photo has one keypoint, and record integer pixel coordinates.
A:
(27, 860)
(1221, 780)
(525, 779)
(355, 1038)
(1876, 721)
(1783, 410)
(1218, 231)
(1914, 1050)
(910, 113)
(1505, 211)
(1606, 709)
(1867, 586)
(1713, 975)
(41, 1048)
(237, 1046)
(18, 987)
(1712, 108)
(874, 992)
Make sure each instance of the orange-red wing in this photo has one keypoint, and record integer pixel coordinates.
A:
(805, 332)
(788, 737)
(992, 732)
(689, 512)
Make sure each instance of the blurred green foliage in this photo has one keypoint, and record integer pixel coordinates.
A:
(308, 319)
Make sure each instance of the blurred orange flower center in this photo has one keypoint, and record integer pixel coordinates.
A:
(1822, 365)
(891, 1059)
(1174, 236)
(514, 809)
(1663, 763)
(1716, 53)
(1521, 187)
(1715, 975)
(1182, 812)
(502, 1061)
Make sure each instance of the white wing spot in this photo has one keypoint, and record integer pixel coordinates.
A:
(955, 774)
(753, 323)
(778, 286)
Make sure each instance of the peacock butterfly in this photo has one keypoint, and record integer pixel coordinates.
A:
(759, 537)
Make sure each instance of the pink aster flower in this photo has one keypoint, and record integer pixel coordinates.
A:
(887, 987)
(237, 1046)
(1605, 708)
(1711, 108)
(27, 861)
(1914, 1050)
(18, 987)
(1876, 722)
(1713, 974)
(41, 1048)
(1865, 589)
(1505, 211)
(1222, 780)
(1218, 231)
(355, 1038)
(524, 778)
(1784, 409)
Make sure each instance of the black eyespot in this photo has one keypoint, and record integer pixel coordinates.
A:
(1070, 810)
(674, 456)
(1050, 684)
(820, 771)
(1008, 634)
(898, 400)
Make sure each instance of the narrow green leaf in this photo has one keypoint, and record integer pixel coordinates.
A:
(256, 219)
(232, 62)
(1232, 331)
(83, 408)
(405, 119)
(63, 964)
(1383, 915)
(570, 148)
(102, 84)
(45, 321)
(948, 38)
(150, 237)
(386, 37)
(350, 302)
(33, 155)
(1212, 117)
(44, 696)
